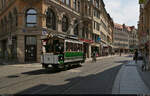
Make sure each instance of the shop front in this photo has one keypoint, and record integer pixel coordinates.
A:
(30, 48)
(87, 47)
(95, 48)
(105, 49)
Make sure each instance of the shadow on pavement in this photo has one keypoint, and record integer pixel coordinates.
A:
(125, 61)
(49, 70)
(100, 83)
(41, 71)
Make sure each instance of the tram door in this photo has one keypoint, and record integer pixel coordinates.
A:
(30, 48)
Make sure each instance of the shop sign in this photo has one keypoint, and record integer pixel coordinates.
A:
(86, 40)
(44, 32)
(10, 40)
(23, 30)
(99, 39)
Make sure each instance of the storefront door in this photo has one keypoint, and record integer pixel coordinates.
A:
(30, 48)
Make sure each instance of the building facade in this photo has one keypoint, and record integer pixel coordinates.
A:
(22, 23)
(121, 39)
(143, 30)
(133, 38)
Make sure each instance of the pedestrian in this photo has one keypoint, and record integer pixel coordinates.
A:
(136, 55)
(94, 56)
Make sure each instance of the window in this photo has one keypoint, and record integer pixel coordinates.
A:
(65, 24)
(94, 25)
(68, 2)
(16, 17)
(50, 19)
(97, 3)
(10, 21)
(31, 18)
(63, 1)
(97, 26)
(74, 4)
(78, 6)
(5, 24)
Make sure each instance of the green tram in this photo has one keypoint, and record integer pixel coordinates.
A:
(61, 53)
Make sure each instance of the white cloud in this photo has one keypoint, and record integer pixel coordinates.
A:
(123, 11)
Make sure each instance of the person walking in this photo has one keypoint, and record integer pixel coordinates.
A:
(136, 55)
(94, 56)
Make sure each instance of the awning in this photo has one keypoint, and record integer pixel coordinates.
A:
(94, 44)
(73, 41)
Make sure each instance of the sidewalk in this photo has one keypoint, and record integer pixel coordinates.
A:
(144, 74)
(129, 81)
(103, 57)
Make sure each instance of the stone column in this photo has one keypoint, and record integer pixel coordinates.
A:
(21, 48)
(39, 49)
(59, 25)
(80, 30)
(71, 28)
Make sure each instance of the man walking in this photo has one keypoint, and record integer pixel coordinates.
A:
(136, 55)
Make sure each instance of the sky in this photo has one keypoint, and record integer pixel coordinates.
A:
(123, 11)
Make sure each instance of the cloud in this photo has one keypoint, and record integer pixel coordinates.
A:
(123, 11)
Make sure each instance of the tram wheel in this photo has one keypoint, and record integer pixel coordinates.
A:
(56, 67)
(64, 68)
(45, 66)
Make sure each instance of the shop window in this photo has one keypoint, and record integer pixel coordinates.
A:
(65, 24)
(31, 18)
(50, 19)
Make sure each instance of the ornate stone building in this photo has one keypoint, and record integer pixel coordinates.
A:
(133, 38)
(23, 22)
(121, 38)
(144, 30)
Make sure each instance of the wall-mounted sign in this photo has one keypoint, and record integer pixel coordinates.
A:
(44, 32)
(10, 40)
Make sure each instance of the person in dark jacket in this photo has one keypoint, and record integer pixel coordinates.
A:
(136, 55)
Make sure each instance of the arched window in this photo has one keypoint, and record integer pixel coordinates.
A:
(97, 3)
(16, 17)
(31, 18)
(65, 24)
(76, 27)
(50, 19)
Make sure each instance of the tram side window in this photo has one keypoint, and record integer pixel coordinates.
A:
(67, 46)
(49, 46)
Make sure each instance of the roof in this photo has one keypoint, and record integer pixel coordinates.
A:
(119, 26)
